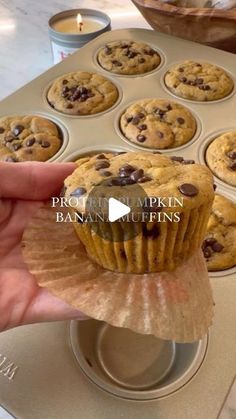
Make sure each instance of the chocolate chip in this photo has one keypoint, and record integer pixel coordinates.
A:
(131, 54)
(188, 162)
(107, 50)
(199, 81)
(181, 69)
(204, 87)
(45, 144)
(232, 166)
(141, 60)
(141, 138)
(142, 127)
(180, 120)
(64, 81)
(207, 252)
(105, 173)
(188, 189)
(126, 170)
(117, 63)
(214, 186)
(65, 91)
(144, 179)
(69, 106)
(232, 155)
(11, 159)
(126, 181)
(183, 79)
(78, 192)
(169, 107)
(17, 130)
(129, 119)
(217, 247)
(103, 164)
(160, 134)
(135, 120)
(101, 156)
(30, 142)
(152, 234)
(140, 115)
(1, 130)
(209, 242)
(150, 52)
(137, 174)
(16, 146)
(177, 158)
(160, 112)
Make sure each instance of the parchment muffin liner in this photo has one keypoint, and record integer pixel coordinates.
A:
(176, 305)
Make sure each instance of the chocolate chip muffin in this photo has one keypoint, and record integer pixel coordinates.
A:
(163, 242)
(198, 81)
(82, 93)
(221, 157)
(28, 138)
(128, 57)
(158, 124)
(219, 246)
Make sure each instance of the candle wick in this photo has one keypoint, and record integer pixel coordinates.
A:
(80, 26)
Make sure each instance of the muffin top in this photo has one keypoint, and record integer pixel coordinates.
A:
(157, 123)
(221, 157)
(128, 57)
(28, 138)
(219, 247)
(158, 175)
(198, 81)
(82, 93)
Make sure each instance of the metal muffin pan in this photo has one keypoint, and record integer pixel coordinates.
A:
(99, 132)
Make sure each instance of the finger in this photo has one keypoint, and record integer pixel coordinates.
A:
(46, 307)
(32, 180)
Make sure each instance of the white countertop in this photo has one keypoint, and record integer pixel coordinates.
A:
(24, 40)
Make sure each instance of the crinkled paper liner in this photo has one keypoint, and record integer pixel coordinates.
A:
(174, 305)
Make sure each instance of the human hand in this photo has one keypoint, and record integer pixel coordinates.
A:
(23, 189)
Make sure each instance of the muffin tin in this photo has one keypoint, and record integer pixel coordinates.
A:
(84, 135)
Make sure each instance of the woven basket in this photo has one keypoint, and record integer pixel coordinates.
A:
(213, 27)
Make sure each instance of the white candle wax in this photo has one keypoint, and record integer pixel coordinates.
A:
(70, 25)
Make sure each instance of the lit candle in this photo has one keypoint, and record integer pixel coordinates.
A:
(76, 24)
(72, 29)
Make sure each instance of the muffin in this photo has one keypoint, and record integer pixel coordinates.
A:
(28, 138)
(221, 157)
(219, 246)
(158, 124)
(198, 81)
(82, 93)
(128, 57)
(162, 243)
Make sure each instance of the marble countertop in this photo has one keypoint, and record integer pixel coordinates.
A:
(24, 40)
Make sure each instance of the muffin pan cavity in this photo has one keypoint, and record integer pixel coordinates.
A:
(117, 360)
(129, 58)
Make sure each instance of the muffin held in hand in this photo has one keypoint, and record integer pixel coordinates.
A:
(198, 81)
(221, 157)
(82, 93)
(158, 124)
(219, 246)
(28, 138)
(128, 57)
(162, 243)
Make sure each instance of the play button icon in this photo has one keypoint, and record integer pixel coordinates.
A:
(116, 209)
(112, 208)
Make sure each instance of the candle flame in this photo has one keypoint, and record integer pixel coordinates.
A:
(79, 19)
